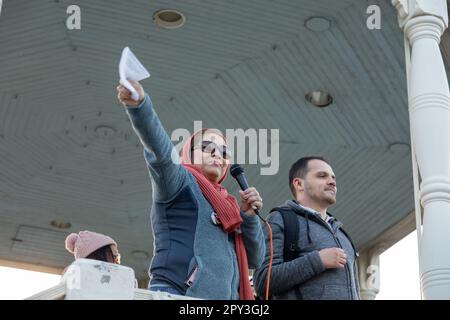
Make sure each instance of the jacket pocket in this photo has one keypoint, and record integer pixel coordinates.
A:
(335, 292)
(325, 292)
(314, 292)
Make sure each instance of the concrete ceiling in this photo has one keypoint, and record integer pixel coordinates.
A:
(68, 153)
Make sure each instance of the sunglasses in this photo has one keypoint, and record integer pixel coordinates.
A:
(211, 147)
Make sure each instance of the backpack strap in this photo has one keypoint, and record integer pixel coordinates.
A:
(291, 233)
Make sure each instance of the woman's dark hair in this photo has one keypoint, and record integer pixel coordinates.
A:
(103, 254)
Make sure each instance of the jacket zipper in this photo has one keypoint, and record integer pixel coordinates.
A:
(347, 270)
(191, 277)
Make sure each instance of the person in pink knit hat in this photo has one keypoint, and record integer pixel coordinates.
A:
(92, 245)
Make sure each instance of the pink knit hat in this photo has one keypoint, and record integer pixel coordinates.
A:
(86, 242)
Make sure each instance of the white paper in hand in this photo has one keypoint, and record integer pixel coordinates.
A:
(130, 68)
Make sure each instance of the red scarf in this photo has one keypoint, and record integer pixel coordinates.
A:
(228, 213)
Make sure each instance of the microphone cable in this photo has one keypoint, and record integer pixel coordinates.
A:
(237, 172)
(269, 270)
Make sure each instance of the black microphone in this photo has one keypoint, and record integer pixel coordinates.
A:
(237, 172)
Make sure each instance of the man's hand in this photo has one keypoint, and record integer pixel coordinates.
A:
(250, 200)
(124, 95)
(333, 257)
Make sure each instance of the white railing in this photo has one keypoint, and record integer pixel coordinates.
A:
(87, 279)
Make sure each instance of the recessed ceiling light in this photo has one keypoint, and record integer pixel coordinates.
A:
(60, 224)
(104, 131)
(319, 98)
(139, 254)
(169, 18)
(317, 24)
(399, 147)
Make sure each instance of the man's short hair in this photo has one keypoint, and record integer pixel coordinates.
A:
(300, 168)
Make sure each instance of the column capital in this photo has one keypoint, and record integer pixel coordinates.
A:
(409, 9)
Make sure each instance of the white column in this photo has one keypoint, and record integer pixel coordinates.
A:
(423, 22)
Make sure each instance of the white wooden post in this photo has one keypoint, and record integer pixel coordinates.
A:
(423, 22)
